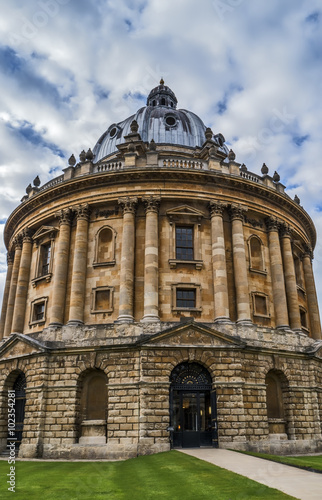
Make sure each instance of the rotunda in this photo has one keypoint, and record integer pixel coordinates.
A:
(159, 295)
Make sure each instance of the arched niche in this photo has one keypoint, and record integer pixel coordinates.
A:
(276, 396)
(256, 254)
(92, 388)
(105, 247)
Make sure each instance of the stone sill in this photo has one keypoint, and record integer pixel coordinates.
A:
(103, 264)
(45, 277)
(173, 263)
(258, 271)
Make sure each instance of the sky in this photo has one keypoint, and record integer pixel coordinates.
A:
(251, 69)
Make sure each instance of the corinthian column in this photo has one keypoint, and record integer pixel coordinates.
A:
(278, 284)
(312, 302)
(61, 269)
(77, 294)
(6, 294)
(290, 279)
(127, 260)
(240, 267)
(13, 285)
(151, 261)
(22, 284)
(221, 301)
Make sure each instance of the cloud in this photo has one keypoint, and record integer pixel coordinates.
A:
(249, 69)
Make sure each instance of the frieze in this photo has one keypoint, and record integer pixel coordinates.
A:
(107, 213)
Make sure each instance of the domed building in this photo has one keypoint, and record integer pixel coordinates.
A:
(160, 295)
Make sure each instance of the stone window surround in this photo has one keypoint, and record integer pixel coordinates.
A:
(255, 312)
(189, 221)
(304, 327)
(251, 268)
(40, 300)
(43, 237)
(111, 301)
(111, 262)
(187, 286)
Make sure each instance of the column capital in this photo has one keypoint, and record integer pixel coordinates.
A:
(286, 230)
(128, 204)
(272, 223)
(26, 235)
(64, 216)
(10, 257)
(151, 203)
(308, 251)
(237, 211)
(216, 207)
(82, 211)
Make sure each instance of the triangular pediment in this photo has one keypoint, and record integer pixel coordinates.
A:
(192, 334)
(184, 210)
(18, 345)
(44, 231)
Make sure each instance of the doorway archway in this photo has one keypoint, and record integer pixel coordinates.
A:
(193, 411)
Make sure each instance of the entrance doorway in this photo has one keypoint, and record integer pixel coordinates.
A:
(20, 400)
(193, 407)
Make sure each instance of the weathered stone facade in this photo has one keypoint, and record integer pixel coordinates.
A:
(160, 294)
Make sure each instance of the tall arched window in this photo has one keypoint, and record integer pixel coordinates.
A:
(105, 247)
(256, 257)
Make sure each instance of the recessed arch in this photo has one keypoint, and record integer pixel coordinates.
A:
(277, 395)
(105, 246)
(256, 253)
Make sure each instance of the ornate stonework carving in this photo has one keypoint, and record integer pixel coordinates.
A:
(216, 207)
(151, 203)
(237, 211)
(128, 204)
(82, 211)
(64, 216)
(272, 223)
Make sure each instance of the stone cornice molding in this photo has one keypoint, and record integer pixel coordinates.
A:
(216, 208)
(128, 204)
(152, 204)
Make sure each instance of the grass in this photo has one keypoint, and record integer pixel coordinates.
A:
(167, 476)
(307, 462)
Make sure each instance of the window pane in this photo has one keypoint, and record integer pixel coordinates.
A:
(186, 298)
(184, 243)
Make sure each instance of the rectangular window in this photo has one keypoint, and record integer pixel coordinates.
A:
(184, 242)
(39, 311)
(45, 252)
(186, 298)
(102, 302)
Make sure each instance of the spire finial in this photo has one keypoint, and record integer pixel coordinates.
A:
(161, 81)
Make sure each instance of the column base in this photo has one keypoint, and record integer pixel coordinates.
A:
(124, 318)
(284, 327)
(55, 325)
(222, 320)
(244, 322)
(75, 322)
(150, 318)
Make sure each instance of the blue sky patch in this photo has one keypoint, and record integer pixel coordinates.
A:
(29, 134)
(299, 140)
(313, 18)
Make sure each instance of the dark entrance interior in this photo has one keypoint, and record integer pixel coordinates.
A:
(193, 407)
(20, 395)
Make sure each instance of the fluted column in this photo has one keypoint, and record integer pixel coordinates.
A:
(312, 302)
(151, 260)
(18, 319)
(10, 257)
(77, 293)
(61, 269)
(278, 284)
(13, 285)
(290, 279)
(240, 267)
(221, 301)
(126, 298)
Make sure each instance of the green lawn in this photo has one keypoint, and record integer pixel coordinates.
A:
(171, 475)
(306, 462)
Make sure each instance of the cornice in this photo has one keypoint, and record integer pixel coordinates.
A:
(136, 175)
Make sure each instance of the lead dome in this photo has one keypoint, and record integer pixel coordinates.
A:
(160, 121)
